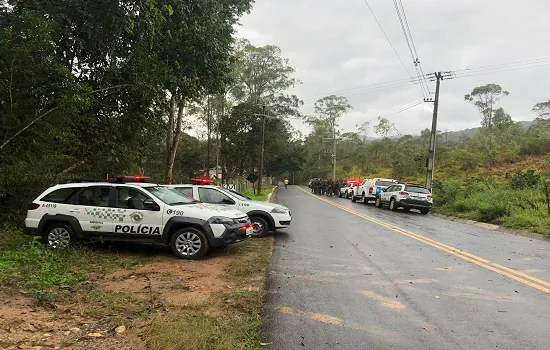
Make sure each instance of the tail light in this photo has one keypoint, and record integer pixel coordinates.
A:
(370, 189)
(404, 193)
(429, 196)
(33, 206)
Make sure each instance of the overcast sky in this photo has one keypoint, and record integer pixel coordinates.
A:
(337, 45)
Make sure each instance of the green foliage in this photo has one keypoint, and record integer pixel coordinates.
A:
(486, 98)
(37, 267)
(523, 180)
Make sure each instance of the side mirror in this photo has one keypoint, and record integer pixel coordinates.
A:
(227, 201)
(151, 205)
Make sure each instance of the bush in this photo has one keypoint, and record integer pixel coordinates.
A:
(528, 179)
(492, 212)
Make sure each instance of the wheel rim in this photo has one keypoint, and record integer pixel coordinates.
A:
(59, 238)
(257, 227)
(392, 204)
(377, 202)
(188, 243)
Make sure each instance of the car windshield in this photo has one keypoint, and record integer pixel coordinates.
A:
(384, 183)
(417, 189)
(169, 195)
(234, 194)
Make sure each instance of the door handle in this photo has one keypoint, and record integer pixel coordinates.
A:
(74, 210)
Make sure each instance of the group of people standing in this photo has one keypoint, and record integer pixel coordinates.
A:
(326, 187)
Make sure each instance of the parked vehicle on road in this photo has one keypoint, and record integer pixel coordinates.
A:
(406, 196)
(265, 216)
(128, 209)
(370, 189)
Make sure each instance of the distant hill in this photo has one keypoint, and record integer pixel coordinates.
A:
(456, 135)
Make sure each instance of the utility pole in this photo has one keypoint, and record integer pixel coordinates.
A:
(437, 77)
(261, 167)
(334, 141)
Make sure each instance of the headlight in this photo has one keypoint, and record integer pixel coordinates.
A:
(279, 211)
(220, 220)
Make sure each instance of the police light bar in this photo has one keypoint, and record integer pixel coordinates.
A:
(201, 181)
(134, 178)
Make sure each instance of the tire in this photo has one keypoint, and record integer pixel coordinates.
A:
(189, 243)
(58, 236)
(425, 211)
(393, 206)
(407, 209)
(353, 198)
(365, 200)
(260, 225)
(378, 202)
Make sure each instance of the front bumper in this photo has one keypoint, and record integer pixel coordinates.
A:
(282, 220)
(414, 203)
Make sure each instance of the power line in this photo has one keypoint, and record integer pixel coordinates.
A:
(461, 73)
(388, 39)
(410, 44)
(404, 108)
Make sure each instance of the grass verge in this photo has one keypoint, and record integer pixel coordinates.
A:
(250, 192)
(231, 318)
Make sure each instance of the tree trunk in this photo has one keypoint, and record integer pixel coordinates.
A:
(176, 135)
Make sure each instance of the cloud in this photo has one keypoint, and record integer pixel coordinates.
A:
(337, 45)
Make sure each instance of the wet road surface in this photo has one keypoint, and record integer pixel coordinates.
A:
(351, 276)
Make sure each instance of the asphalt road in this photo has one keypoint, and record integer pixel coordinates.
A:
(351, 276)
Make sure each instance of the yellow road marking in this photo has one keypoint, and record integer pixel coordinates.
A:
(489, 265)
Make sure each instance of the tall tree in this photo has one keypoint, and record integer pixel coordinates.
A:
(200, 48)
(328, 110)
(263, 76)
(542, 109)
(385, 128)
(486, 99)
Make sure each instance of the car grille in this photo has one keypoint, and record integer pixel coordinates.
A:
(243, 220)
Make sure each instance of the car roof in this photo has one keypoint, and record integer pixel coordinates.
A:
(87, 184)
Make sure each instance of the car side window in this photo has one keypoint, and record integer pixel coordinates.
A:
(96, 196)
(210, 195)
(186, 191)
(130, 198)
(60, 196)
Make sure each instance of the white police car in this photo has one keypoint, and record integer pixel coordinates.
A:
(122, 209)
(264, 216)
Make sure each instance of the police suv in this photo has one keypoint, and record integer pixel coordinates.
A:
(264, 216)
(130, 209)
(407, 196)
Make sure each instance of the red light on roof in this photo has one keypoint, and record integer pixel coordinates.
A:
(201, 180)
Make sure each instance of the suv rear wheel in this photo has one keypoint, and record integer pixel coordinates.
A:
(378, 202)
(58, 236)
(424, 211)
(189, 243)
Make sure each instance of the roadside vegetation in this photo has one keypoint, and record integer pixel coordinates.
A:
(266, 189)
(496, 173)
(99, 295)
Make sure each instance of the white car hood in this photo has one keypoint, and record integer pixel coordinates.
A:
(204, 209)
(267, 206)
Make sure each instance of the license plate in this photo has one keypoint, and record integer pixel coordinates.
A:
(249, 231)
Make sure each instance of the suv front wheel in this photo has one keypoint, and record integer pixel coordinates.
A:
(58, 236)
(259, 226)
(189, 243)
